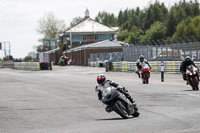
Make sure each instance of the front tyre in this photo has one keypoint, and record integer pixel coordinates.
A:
(119, 108)
(195, 83)
(136, 113)
(146, 78)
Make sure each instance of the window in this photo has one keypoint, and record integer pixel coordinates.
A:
(96, 37)
(105, 36)
(84, 37)
(47, 42)
(76, 38)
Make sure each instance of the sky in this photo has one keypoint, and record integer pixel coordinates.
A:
(19, 18)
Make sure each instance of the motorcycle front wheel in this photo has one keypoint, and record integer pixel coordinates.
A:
(119, 108)
(195, 83)
(146, 78)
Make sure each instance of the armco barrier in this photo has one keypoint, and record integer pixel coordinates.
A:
(33, 66)
(169, 66)
(1, 64)
(8, 64)
(124, 66)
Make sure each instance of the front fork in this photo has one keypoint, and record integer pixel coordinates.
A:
(190, 80)
(143, 73)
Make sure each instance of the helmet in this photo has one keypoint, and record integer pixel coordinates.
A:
(101, 78)
(188, 59)
(141, 58)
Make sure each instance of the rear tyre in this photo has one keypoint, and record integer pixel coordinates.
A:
(120, 109)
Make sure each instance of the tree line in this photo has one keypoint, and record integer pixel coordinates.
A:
(156, 22)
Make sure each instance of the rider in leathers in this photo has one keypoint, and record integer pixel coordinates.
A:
(187, 61)
(139, 63)
(103, 84)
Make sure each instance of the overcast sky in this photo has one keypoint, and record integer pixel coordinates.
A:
(19, 18)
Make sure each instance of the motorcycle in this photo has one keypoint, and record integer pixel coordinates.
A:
(145, 73)
(192, 77)
(119, 103)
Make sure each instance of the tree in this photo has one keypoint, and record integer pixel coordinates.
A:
(155, 12)
(157, 31)
(123, 35)
(180, 12)
(135, 35)
(18, 60)
(75, 21)
(106, 18)
(27, 59)
(120, 18)
(50, 26)
(179, 30)
(188, 27)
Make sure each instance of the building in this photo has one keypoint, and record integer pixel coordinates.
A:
(87, 31)
(83, 54)
(79, 37)
(48, 51)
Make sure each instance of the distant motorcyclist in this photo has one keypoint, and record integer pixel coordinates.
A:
(186, 62)
(139, 63)
(103, 84)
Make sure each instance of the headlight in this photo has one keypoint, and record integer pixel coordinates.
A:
(190, 73)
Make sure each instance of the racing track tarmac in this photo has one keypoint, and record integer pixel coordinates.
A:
(64, 101)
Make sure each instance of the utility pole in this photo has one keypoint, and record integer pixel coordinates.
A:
(5, 49)
(5, 53)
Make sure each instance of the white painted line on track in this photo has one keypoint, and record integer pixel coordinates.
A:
(193, 95)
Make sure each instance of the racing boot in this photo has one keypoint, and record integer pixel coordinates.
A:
(108, 109)
(137, 73)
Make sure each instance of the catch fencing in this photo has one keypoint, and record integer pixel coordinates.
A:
(167, 52)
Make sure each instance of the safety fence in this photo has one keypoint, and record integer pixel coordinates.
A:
(33, 66)
(124, 66)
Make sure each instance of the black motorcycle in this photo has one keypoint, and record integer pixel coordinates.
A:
(119, 103)
(192, 77)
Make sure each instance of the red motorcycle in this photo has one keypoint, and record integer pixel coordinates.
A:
(145, 73)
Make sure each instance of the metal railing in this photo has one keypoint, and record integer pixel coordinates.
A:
(164, 50)
(167, 52)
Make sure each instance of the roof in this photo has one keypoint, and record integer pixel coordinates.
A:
(99, 45)
(90, 25)
(116, 28)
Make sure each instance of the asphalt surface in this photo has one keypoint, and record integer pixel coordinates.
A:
(64, 101)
